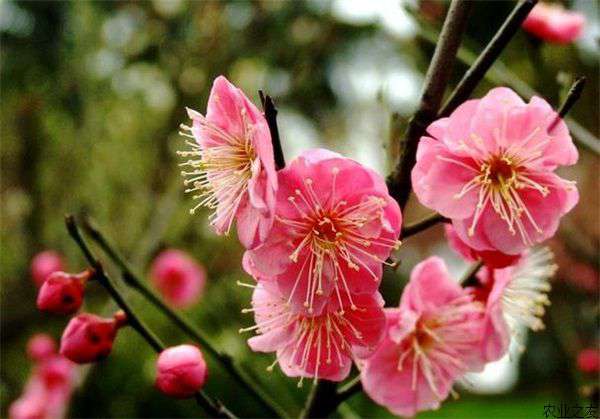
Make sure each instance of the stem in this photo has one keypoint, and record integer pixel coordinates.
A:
(182, 322)
(572, 97)
(470, 277)
(349, 389)
(213, 407)
(271, 116)
(321, 401)
(436, 80)
(422, 224)
(488, 56)
(500, 74)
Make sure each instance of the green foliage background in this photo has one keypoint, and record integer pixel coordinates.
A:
(92, 95)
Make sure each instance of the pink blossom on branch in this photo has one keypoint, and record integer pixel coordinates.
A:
(62, 293)
(181, 371)
(40, 346)
(89, 338)
(178, 277)
(320, 346)
(515, 298)
(233, 168)
(335, 226)
(489, 167)
(430, 340)
(553, 23)
(45, 263)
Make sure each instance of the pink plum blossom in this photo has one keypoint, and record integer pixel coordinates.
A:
(40, 346)
(232, 165)
(89, 338)
(491, 258)
(335, 226)
(178, 277)
(62, 293)
(181, 371)
(588, 360)
(489, 167)
(553, 23)
(430, 341)
(320, 346)
(45, 263)
(514, 299)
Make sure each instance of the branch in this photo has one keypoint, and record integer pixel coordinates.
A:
(488, 56)
(470, 277)
(500, 74)
(572, 97)
(321, 401)
(349, 389)
(270, 112)
(213, 407)
(422, 224)
(132, 280)
(435, 83)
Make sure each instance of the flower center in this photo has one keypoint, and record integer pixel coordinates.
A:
(500, 170)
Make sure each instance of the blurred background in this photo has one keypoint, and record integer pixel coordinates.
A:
(92, 96)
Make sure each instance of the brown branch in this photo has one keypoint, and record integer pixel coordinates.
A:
(270, 112)
(436, 79)
(488, 56)
(470, 277)
(422, 224)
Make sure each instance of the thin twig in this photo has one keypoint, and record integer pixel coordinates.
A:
(213, 407)
(500, 74)
(349, 389)
(436, 79)
(572, 97)
(321, 400)
(422, 224)
(271, 116)
(132, 280)
(488, 56)
(470, 277)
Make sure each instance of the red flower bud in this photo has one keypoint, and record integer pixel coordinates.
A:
(181, 371)
(88, 338)
(56, 372)
(43, 264)
(62, 293)
(40, 347)
(588, 360)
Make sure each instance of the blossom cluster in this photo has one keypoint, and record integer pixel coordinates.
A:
(318, 232)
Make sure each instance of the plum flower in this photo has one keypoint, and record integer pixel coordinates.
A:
(552, 23)
(181, 371)
(320, 346)
(489, 167)
(490, 258)
(515, 298)
(430, 341)
(335, 226)
(178, 277)
(45, 263)
(232, 165)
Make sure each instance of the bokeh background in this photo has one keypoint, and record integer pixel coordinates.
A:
(92, 94)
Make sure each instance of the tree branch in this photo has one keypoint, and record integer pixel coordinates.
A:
(213, 407)
(270, 112)
(572, 97)
(470, 277)
(422, 224)
(132, 280)
(436, 79)
(488, 56)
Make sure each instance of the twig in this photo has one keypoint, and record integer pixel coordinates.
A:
(470, 277)
(271, 116)
(437, 76)
(213, 407)
(422, 224)
(488, 56)
(321, 401)
(349, 389)
(500, 74)
(572, 97)
(132, 280)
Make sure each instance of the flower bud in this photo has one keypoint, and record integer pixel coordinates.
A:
(43, 264)
(181, 371)
(40, 347)
(588, 360)
(62, 293)
(57, 372)
(178, 277)
(89, 338)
